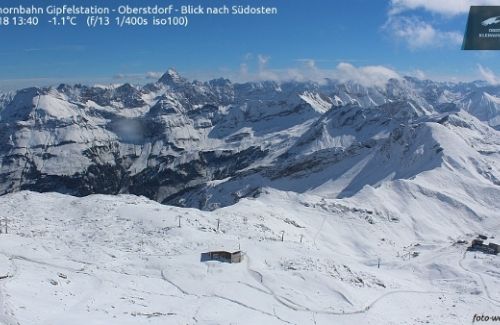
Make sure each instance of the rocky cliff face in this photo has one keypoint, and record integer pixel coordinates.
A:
(207, 144)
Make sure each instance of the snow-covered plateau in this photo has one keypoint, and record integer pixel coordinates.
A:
(351, 204)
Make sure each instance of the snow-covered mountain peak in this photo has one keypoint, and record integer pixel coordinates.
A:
(172, 78)
(198, 143)
(348, 201)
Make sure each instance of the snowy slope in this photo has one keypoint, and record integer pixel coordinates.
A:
(123, 260)
(171, 139)
(350, 148)
(5, 98)
(372, 189)
(483, 105)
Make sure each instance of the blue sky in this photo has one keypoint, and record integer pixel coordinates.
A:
(307, 39)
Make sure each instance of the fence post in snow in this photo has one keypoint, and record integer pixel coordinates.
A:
(282, 235)
(179, 220)
(4, 226)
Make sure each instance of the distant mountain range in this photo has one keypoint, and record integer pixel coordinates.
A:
(209, 144)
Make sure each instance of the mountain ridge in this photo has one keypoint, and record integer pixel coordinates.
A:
(179, 142)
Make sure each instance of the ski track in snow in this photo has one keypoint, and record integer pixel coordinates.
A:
(481, 279)
(94, 251)
(239, 303)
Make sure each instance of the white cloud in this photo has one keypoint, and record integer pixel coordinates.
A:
(262, 60)
(307, 70)
(153, 75)
(248, 56)
(121, 76)
(375, 75)
(443, 7)
(244, 70)
(419, 74)
(418, 34)
(488, 75)
(310, 63)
